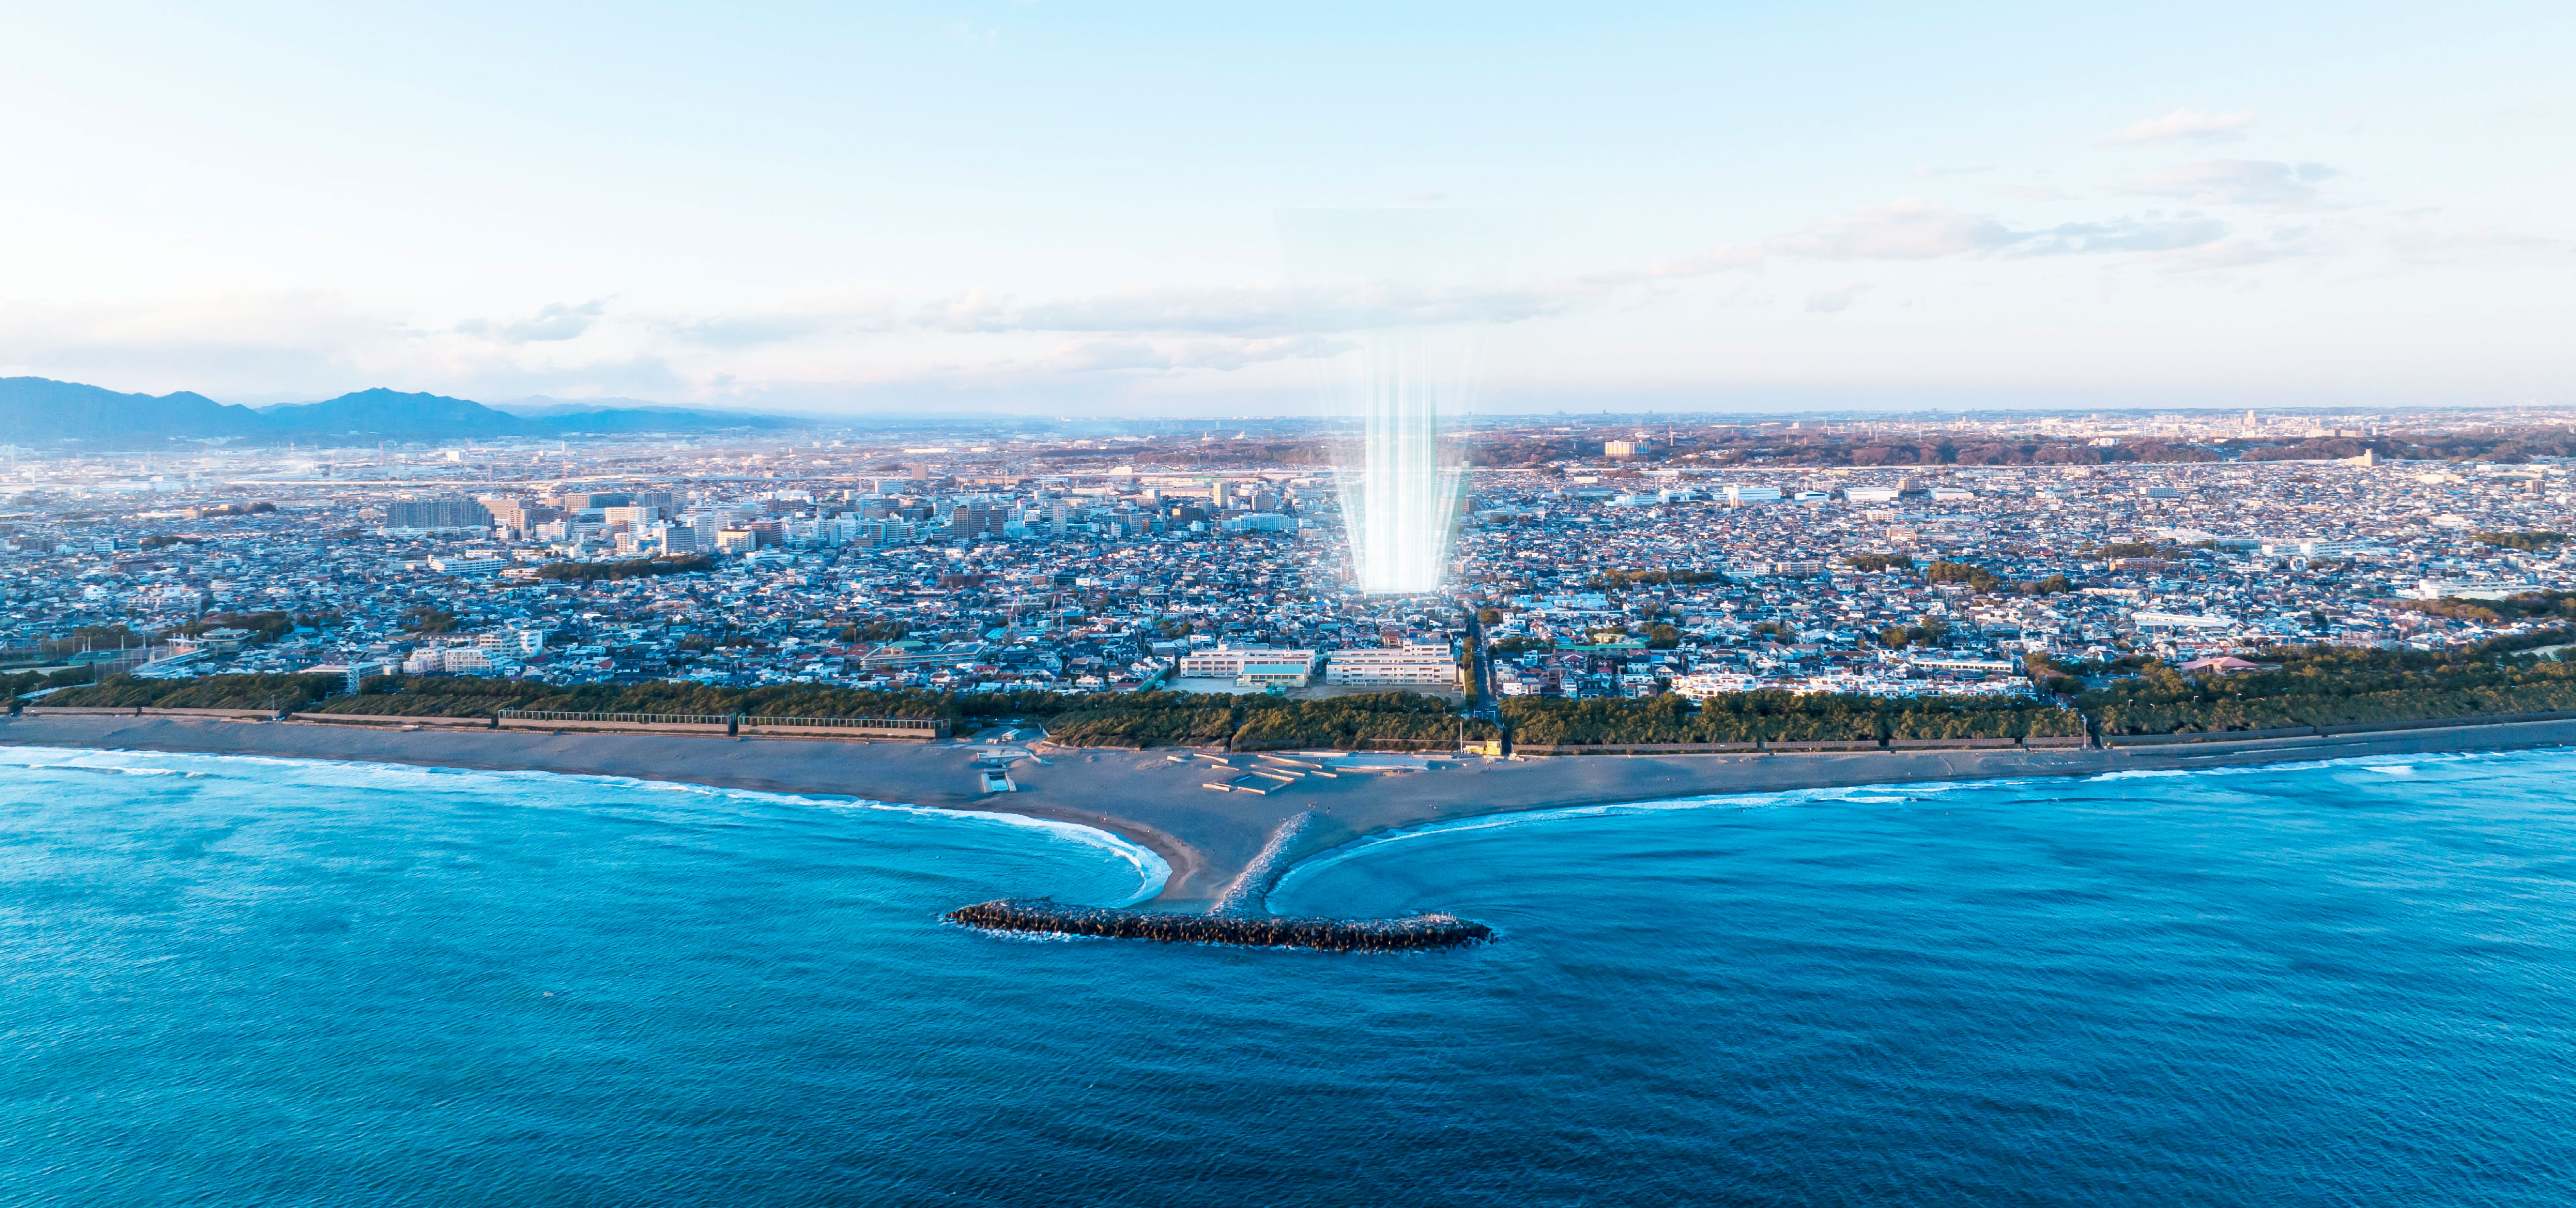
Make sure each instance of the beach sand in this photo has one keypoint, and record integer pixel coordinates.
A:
(1207, 836)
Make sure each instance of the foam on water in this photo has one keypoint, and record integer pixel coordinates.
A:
(1152, 871)
(1522, 819)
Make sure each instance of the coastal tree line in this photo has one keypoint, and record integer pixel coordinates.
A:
(2328, 685)
(1780, 717)
(2309, 686)
(1365, 721)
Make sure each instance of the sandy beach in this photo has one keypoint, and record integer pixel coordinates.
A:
(1207, 836)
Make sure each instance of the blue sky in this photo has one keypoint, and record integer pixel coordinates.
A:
(1065, 208)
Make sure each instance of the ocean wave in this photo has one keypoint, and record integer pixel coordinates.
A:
(2408, 759)
(100, 769)
(1023, 937)
(1152, 871)
(1368, 844)
(1876, 794)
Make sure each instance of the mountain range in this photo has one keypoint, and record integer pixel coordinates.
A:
(38, 411)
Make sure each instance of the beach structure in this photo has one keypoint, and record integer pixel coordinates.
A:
(1045, 916)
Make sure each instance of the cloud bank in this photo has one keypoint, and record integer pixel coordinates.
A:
(2181, 126)
(2205, 217)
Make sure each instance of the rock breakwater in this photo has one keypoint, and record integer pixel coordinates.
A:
(1044, 916)
(1251, 891)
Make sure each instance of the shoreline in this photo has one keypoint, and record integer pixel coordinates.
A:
(776, 765)
(1209, 838)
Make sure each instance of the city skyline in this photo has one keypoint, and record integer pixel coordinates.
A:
(1024, 209)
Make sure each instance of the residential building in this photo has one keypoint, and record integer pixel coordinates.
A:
(1414, 665)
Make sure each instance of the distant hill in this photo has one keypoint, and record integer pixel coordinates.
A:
(386, 413)
(633, 419)
(41, 411)
(36, 410)
(536, 406)
(635, 415)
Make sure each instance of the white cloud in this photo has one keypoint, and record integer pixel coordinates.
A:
(2252, 182)
(1229, 355)
(2247, 250)
(1082, 356)
(1254, 311)
(552, 322)
(2153, 234)
(1240, 310)
(2474, 245)
(294, 347)
(748, 331)
(312, 346)
(1909, 228)
(1916, 229)
(1835, 301)
(2181, 125)
(1220, 355)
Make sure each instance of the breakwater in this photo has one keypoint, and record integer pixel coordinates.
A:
(1251, 891)
(1047, 917)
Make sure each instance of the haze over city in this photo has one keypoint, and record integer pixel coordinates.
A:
(1045, 208)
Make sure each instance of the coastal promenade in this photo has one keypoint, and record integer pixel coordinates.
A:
(1207, 837)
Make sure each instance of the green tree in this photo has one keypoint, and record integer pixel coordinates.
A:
(1978, 578)
(633, 568)
(426, 619)
(2534, 539)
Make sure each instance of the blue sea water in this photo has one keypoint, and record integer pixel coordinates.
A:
(253, 982)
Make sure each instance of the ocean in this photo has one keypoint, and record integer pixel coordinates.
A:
(236, 981)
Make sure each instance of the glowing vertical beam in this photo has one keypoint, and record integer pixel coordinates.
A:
(1399, 503)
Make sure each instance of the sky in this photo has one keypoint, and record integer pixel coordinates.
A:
(1078, 209)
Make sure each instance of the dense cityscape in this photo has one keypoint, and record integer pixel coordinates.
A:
(1627, 556)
